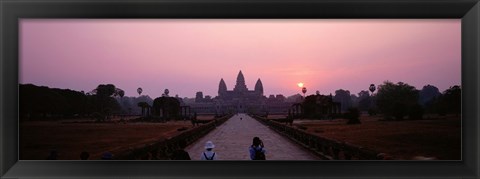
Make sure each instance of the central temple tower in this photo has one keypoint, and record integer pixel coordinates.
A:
(240, 85)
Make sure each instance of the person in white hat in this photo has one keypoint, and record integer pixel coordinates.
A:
(209, 154)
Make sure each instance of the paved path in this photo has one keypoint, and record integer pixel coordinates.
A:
(233, 138)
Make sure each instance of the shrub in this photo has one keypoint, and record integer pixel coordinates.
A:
(399, 110)
(353, 115)
(416, 112)
(372, 112)
(395, 100)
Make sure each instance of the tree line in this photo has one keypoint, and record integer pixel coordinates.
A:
(394, 101)
(399, 100)
(41, 102)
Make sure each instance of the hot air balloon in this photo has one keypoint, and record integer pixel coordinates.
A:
(139, 91)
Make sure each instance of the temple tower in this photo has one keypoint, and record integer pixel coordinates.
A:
(240, 86)
(259, 87)
(222, 88)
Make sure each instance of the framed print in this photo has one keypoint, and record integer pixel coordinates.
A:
(317, 89)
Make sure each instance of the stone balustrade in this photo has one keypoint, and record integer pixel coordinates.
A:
(328, 149)
(162, 150)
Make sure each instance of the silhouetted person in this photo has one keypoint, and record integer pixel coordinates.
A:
(209, 154)
(257, 152)
(53, 155)
(181, 154)
(84, 155)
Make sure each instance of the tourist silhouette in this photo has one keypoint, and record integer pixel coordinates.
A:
(257, 150)
(209, 154)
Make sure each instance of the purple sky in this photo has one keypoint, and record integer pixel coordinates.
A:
(187, 56)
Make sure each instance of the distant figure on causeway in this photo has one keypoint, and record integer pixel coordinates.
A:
(181, 154)
(209, 154)
(257, 150)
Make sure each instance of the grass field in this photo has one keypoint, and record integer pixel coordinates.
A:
(70, 139)
(438, 137)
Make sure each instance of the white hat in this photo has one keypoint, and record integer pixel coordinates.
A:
(209, 145)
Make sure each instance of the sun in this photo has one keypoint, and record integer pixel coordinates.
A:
(300, 84)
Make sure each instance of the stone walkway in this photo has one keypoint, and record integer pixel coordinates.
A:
(233, 138)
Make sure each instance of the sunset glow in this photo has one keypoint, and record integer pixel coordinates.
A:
(117, 87)
(187, 56)
(300, 85)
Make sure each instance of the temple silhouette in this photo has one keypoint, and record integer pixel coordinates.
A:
(242, 100)
(239, 100)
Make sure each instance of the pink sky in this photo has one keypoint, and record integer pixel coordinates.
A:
(187, 56)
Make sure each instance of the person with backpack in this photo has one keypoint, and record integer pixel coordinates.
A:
(209, 154)
(257, 150)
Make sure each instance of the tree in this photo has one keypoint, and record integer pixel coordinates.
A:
(427, 94)
(354, 99)
(76, 102)
(130, 103)
(452, 100)
(364, 100)
(105, 93)
(310, 106)
(120, 92)
(103, 90)
(44, 102)
(396, 100)
(353, 116)
(343, 97)
(41, 102)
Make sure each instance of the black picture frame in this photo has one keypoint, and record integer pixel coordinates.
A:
(13, 10)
